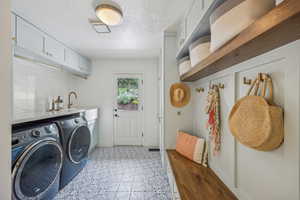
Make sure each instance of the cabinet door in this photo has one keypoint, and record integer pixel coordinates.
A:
(29, 37)
(72, 59)
(194, 15)
(207, 4)
(84, 64)
(181, 32)
(13, 27)
(54, 50)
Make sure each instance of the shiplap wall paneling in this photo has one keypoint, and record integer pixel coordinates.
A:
(200, 117)
(223, 163)
(274, 174)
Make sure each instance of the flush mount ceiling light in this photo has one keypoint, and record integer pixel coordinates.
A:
(109, 13)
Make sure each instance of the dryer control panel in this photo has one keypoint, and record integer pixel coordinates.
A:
(21, 137)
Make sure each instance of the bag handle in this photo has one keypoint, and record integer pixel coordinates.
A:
(268, 84)
(255, 86)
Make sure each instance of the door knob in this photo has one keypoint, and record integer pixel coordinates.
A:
(116, 110)
(116, 115)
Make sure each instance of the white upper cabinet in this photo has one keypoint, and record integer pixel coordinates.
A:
(54, 50)
(29, 37)
(35, 44)
(13, 27)
(207, 3)
(71, 59)
(181, 32)
(85, 65)
(194, 15)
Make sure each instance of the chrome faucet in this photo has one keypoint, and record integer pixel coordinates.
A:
(69, 102)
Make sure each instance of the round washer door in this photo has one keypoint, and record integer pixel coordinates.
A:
(37, 169)
(79, 144)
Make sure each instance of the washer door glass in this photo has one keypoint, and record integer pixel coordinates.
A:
(39, 168)
(79, 144)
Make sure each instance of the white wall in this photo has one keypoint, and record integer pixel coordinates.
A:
(252, 174)
(33, 83)
(173, 121)
(5, 102)
(98, 90)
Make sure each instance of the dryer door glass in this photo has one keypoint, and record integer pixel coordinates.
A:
(79, 144)
(39, 168)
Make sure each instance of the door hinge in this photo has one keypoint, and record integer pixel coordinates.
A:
(142, 134)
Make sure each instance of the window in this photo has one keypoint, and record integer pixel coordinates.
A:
(128, 94)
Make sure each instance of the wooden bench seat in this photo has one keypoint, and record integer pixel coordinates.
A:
(196, 182)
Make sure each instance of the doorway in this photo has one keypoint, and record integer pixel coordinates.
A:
(128, 109)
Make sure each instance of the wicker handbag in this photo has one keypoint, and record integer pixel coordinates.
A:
(255, 120)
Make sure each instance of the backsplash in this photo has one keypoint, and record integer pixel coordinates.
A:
(33, 83)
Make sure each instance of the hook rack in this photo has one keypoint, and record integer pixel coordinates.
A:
(219, 85)
(199, 90)
(260, 76)
(247, 81)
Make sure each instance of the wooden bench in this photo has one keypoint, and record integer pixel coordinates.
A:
(196, 182)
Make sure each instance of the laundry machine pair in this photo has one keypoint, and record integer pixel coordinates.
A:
(47, 155)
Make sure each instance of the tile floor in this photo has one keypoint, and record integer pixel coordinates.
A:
(120, 173)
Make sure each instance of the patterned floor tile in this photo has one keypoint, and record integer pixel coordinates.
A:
(120, 173)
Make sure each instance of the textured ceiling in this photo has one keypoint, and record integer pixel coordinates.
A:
(138, 36)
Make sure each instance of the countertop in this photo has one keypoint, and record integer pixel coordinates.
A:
(35, 116)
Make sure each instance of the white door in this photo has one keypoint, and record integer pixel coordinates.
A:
(128, 109)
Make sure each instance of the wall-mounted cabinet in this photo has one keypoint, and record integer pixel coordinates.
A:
(33, 44)
(197, 20)
(207, 3)
(181, 33)
(29, 37)
(54, 50)
(13, 27)
(194, 15)
(71, 59)
(84, 65)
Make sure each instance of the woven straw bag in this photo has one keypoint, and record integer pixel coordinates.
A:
(255, 120)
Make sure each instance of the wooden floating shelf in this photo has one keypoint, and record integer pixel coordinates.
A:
(277, 28)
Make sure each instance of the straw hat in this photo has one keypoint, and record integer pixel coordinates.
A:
(180, 94)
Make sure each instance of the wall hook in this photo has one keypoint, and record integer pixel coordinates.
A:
(199, 90)
(221, 86)
(247, 81)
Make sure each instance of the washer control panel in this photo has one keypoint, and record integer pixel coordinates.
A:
(33, 133)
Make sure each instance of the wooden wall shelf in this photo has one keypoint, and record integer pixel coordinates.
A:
(277, 28)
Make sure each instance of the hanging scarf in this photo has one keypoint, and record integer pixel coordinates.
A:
(213, 123)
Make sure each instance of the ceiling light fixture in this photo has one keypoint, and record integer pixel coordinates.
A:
(109, 13)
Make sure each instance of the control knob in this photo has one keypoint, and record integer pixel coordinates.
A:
(36, 133)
